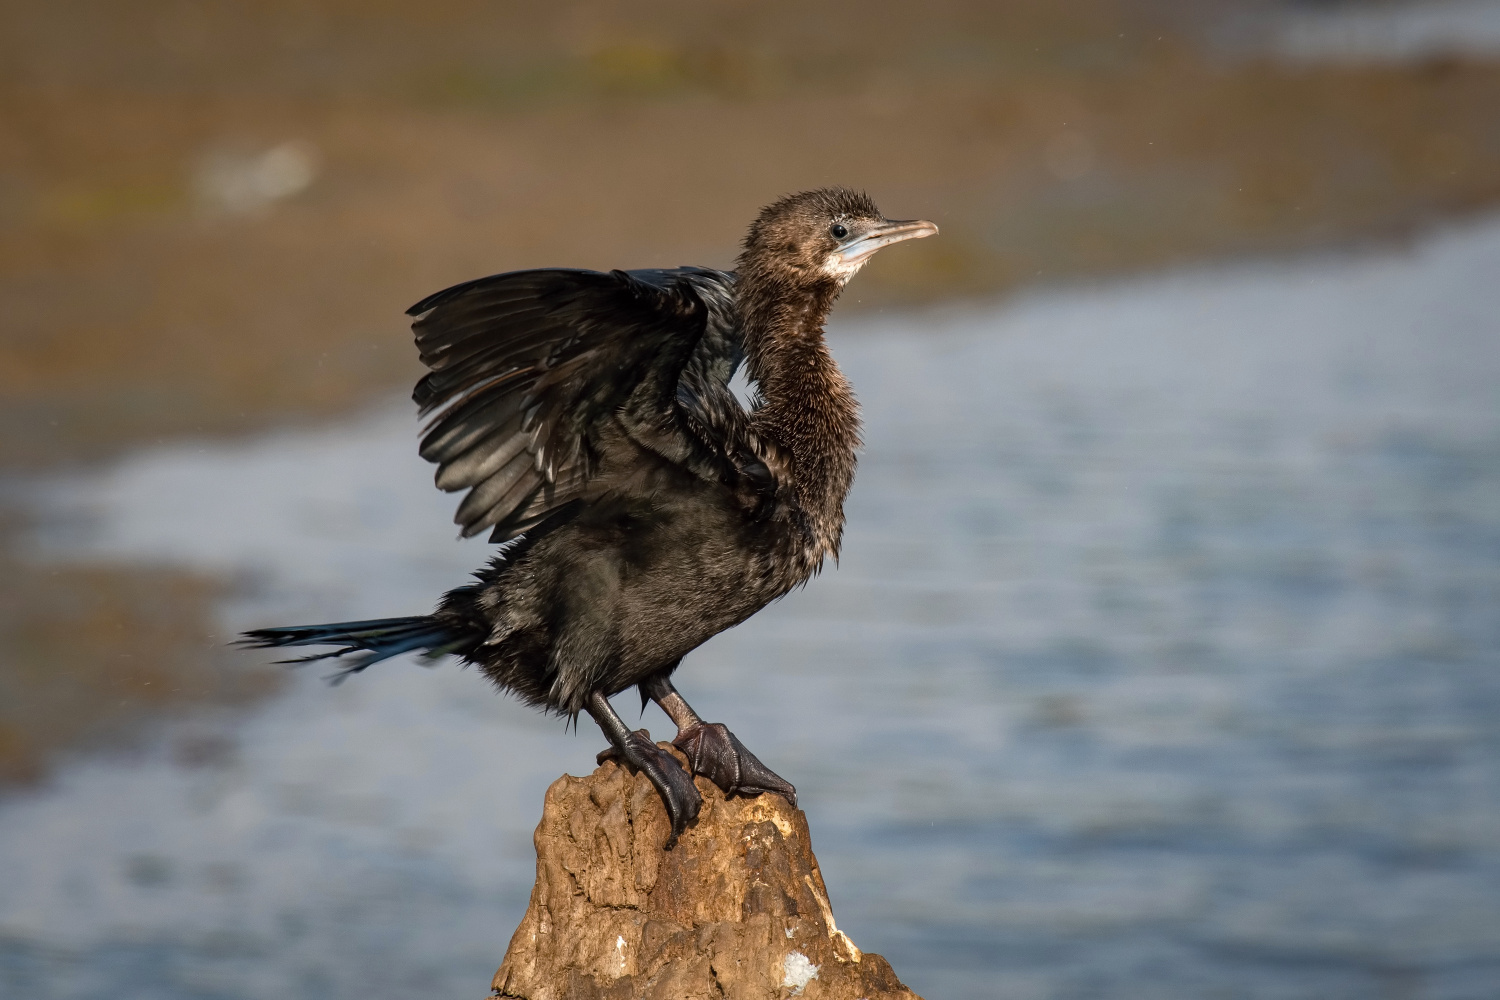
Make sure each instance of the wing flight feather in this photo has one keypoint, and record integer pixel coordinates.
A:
(528, 366)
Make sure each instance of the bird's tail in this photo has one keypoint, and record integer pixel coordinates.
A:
(372, 641)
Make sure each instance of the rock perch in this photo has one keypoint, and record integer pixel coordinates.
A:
(736, 911)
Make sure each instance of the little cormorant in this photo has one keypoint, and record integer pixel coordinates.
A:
(641, 508)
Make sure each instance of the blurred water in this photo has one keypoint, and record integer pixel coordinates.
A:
(1162, 662)
(1381, 32)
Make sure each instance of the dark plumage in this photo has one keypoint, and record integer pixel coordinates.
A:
(590, 420)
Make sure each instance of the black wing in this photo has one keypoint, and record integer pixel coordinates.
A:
(528, 366)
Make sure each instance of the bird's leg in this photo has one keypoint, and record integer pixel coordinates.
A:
(712, 750)
(673, 784)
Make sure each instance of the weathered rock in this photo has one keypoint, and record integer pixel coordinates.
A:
(737, 910)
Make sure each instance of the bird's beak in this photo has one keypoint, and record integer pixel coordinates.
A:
(858, 250)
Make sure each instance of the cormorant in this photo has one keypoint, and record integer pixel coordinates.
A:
(640, 507)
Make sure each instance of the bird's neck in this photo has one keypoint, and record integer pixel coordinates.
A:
(809, 411)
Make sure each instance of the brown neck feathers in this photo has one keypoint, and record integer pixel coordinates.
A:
(809, 409)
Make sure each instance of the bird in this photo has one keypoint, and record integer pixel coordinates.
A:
(639, 507)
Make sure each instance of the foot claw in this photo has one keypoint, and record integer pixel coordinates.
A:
(672, 783)
(717, 754)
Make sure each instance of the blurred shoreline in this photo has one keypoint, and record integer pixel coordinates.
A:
(210, 222)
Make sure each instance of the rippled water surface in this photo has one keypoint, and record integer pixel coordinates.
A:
(1162, 662)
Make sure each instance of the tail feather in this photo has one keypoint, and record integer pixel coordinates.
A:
(374, 640)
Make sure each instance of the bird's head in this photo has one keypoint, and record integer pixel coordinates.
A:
(822, 235)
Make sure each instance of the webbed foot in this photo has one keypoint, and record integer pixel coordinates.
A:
(672, 783)
(717, 754)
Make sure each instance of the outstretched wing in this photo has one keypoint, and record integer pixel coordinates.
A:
(529, 366)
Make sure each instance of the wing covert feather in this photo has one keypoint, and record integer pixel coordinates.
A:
(528, 366)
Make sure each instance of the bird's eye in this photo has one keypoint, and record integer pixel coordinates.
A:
(838, 231)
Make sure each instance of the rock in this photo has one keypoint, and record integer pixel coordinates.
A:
(737, 910)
